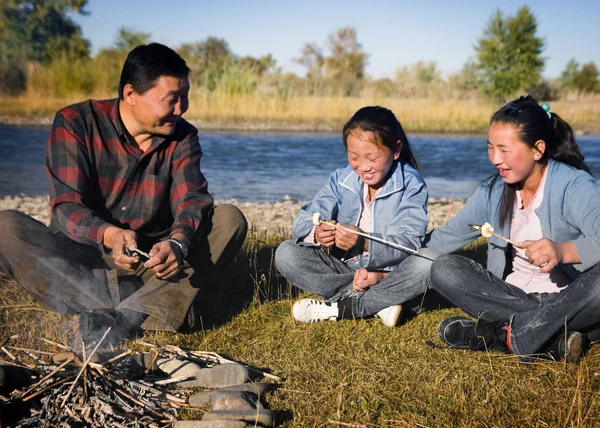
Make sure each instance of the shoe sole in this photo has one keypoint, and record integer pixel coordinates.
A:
(332, 318)
(395, 317)
(576, 344)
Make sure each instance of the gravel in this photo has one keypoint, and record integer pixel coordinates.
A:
(275, 218)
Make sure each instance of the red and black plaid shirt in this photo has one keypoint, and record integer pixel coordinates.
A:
(98, 178)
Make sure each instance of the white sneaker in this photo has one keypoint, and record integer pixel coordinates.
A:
(312, 310)
(390, 315)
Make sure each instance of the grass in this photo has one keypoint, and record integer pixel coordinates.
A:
(352, 373)
(310, 113)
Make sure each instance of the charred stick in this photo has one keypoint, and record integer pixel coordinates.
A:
(41, 391)
(65, 347)
(118, 357)
(85, 392)
(154, 358)
(86, 364)
(48, 376)
(17, 348)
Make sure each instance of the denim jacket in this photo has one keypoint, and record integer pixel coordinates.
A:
(570, 211)
(399, 212)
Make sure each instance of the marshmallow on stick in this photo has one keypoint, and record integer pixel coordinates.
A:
(487, 231)
(316, 219)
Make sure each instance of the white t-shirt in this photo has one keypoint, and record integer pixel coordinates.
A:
(526, 226)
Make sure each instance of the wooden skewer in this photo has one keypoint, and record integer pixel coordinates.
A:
(510, 241)
(382, 241)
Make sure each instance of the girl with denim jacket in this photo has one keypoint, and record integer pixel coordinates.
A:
(380, 193)
(545, 200)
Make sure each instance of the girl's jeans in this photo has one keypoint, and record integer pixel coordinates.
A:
(535, 318)
(313, 269)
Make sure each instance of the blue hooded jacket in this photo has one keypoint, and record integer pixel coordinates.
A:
(399, 212)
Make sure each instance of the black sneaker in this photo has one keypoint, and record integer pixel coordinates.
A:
(94, 323)
(570, 347)
(463, 333)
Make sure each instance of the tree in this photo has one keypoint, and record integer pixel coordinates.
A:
(37, 30)
(584, 79)
(207, 60)
(587, 78)
(127, 39)
(569, 74)
(509, 55)
(343, 69)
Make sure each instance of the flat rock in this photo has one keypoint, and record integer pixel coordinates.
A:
(203, 399)
(259, 416)
(234, 400)
(211, 424)
(219, 376)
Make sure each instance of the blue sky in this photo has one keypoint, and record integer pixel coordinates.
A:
(393, 33)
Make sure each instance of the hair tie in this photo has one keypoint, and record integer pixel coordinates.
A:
(546, 108)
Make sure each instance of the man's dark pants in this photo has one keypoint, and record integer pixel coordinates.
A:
(67, 277)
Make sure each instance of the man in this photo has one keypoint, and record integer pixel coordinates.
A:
(125, 177)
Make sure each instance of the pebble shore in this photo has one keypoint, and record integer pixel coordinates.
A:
(271, 218)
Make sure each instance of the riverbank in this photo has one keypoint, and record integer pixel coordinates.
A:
(271, 219)
(259, 112)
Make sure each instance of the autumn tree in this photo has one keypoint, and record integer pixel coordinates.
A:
(343, 70)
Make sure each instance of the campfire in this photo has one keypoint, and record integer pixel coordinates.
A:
(129, 389)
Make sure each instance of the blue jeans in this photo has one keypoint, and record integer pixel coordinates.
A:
(312, 269)
(535, 318)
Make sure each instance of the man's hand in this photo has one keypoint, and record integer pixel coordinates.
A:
(325, 234)
(118, 240)
(347, 240)
(165, 260)
(364, 279)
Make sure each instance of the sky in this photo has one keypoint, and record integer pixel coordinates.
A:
(393, 33)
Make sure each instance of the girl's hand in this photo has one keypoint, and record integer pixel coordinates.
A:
(325, 234)
(548, 254)
(346, 240)
(364, 279)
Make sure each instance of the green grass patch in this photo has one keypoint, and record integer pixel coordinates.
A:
(352, 373)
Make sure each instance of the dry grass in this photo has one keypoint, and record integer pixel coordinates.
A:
(354, 373)
(261, 112)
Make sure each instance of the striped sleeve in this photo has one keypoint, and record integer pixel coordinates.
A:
(68, 168)
(191, 203)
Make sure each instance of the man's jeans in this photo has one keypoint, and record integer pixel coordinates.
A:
(67, 277)
(535, 318)
(312, 269)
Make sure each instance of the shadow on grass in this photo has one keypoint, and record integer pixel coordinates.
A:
(251, 278)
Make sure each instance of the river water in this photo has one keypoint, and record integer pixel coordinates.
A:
(265, 167)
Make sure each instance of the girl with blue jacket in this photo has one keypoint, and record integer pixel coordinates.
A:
(541, 290)
(380, 193)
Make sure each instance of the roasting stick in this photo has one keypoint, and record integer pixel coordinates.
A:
(487, 231)
(317, 221)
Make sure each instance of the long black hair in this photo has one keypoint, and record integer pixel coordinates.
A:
(532, 124)
(385, 128)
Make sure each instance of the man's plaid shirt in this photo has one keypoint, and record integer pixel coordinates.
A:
(98, 178)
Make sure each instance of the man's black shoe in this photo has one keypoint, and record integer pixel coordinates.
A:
(570, 347)
(94, 323)
(463, 333)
